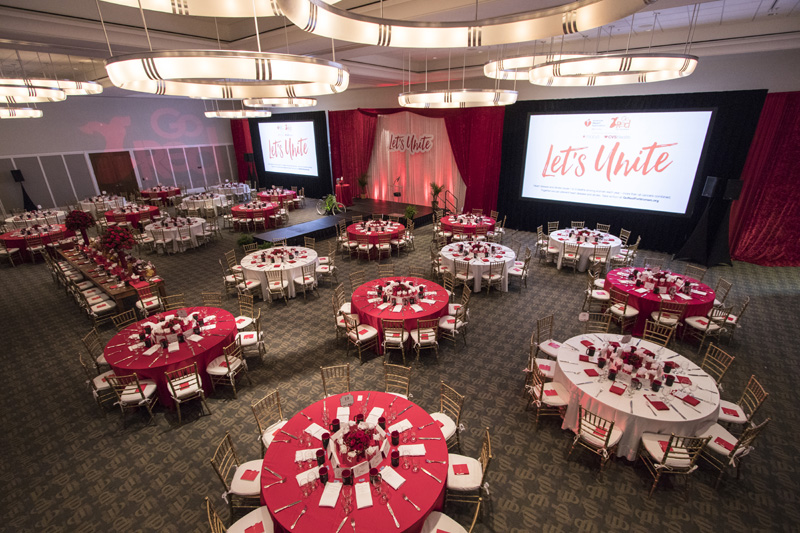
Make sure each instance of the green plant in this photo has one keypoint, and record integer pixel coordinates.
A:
(245, 238)
(411, 211)
(265, 245)
(330, 203)
(363, 181)
(436, 190)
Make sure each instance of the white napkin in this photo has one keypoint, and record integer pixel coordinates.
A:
(151, 350)
(363, 495)
(411, 450)
(133, 337)
(208, 327)
(641, 290)
(315, 430)
(373, 300)
(374, 415)
(430, 293)
(416, 307)
(428, 301)
(397, 308)
(666, 297)
(209, 318)
(302, 477)
(331, 494)
(401, 426)
(194, 338)
(391, 477)
(384, 306)
(372, 293)
(136, 346)
(305, 455)
(701, 293)
(173, 347)
(684, 296)
(343, 413)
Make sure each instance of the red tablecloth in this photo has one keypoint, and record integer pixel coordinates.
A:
(241, 211)
(648, 302)
(344, 193)
(420, 488)
(449, 224)
(133, 217)
(370, 314)
(285, 195)
(163, 195)
(353, 232)
(118, 355)
(13, 239)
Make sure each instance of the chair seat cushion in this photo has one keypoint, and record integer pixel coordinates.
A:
(448, 425)
(547, 367)
(325, 269)
(148, 303)
(570, 255)
(93, 291)
(243, 321)
(184, 387)
(491, 277)
(249, 284)
(278, 284)
(701, 322)
(269, 433)
(324, 260)
(450, 323)
(718, 432)
(738, 418)
(623, 310)
(558, 398)
(219, 367)
(601, 295)
(515, 271)
(104, 307)
(100, 382)
(669, 319)
(550, 347)
(395, 337)
(366, 246)
(650, 441)
(86, 285)
(600, 283)
(465, 482)
(237, 268)
(96, 299)
(305, 280)
(345, 308)
(364, 333)
(437, 522)
(249, 338)
(597, 438)
(452, 309)
(465, 276)
(424, 337)
(243, 487)
(131, 396)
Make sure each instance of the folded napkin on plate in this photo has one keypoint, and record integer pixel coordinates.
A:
(461, 470)
(666, 297)
(641, 290)
(416, 307)
(683, 380)
(397, 308)
(194, 338)
(485, 260)
(618, 388)
(411, 450)
(372, 293)
(688, 398)
(374, 415)
(428, 301)
(208, 327)
(343, 413)
(136, 346)
(401, 426)
(373, 300)
(384, 305)
(363, 495)
(684, 296)
(302, 477)
(331, 494)
(151, 350)
(587, 343)
(591, 372)
(173, 347)
(305, 455)
(390, 476)
(583, 357)
(658, 404)
(315, 430)
(701, 293)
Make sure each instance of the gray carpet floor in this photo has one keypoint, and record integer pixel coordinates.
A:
(68, 466)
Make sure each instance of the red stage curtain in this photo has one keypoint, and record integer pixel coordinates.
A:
(242, 144)
(475, 134)
(765, 221)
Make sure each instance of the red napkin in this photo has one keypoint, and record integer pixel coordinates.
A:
(485, 260)
(658, 404)
(424, 336)
(451, 320)
(730, 412)
(455, 255)
(292, 261)
(615, 344)
(363, 332)
(691, 400)
(591, 372)
(616, 389)
(587, 343)
(546, 368)
(249, 475)
(249, 335)
(669, 364)
(663, 444)
(683, 379)
(440, 423)
(261, 265)
(276, 265)
(600, 432)
(239, 320)
(256, 528)
(185, 385)
(460, 470)
(583, 357)
(725, 444)
(702, 322)
(224, 364)
(550, 392)
(554, 345)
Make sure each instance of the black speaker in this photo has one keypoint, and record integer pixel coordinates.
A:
(732, 190)
(249, 158)
(712, 184)
(17, 175)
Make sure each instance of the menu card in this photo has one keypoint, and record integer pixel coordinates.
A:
(302, 477)
(411, 450)
(391, 477)
(401, 426)
(331, 494)
(315, 430)
(363, 495)
(374, 415)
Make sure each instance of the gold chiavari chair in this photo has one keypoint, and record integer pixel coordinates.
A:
(477, 212)
(241, 493)
(695, 272)
(670, 455)
(395, 337)
(450, 326)
(249, 248)
(307, 281)
(741, 412)
(469, 488)
(597, 435)
(544, 338)
(569, 256)
(338, 317)
(653, 263)
(552, 226)
(99, 385)
(357, 279)
(132, 393)
(149, 301)
(449, 414)
(716, 362)
(397, 379)
(548, 397)
(357, 218)
(362, 336)
(448, 282)
(494, 276)
(185, 385)
(94, 347)
(597, 323)
(246, 311)
(253, 341)
(437, 267)
(232, 262)
(172, 302)
(377, 216)
(521, 272)
(724, 449)
(328, 270)
(425, 336)
(10, 253)
(230, 278)
(721, 291)
(386, 271)
(735, 318)
(546, 366)
(417, 272)
(622, 312)
(384, 246)
(35, 246)
(578, 224)
(463, 273)
(224, 369)
(124, 319)
(657, 333)
(624, 235)
(364, 246)
(596, 299)
(670, 313)
(466, 296)
(211, 299)
(604, 228)
(437, 521)
(269, 418)
(707, 327)
(309, 242)
(335, 379)
(277, 285)
(480, 233)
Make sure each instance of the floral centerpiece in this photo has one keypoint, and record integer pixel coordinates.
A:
(118, 239)
(359, 443)
(79, 221)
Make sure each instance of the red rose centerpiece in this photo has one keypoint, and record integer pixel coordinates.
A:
(79, 221)
(358, 443)
(117, 239)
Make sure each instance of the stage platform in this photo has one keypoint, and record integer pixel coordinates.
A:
(325, 226)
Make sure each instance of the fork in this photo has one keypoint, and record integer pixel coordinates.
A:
(275, 483)
(353, 523)
(409, 501)
(305, 508)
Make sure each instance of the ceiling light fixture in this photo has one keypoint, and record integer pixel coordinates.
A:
(20, 112)
(280, 102)
(238, 113)
(319, 18)
(209, 8)
(79, 88)
(518, 68)
(457, 98)
(615, 69)
(31, 90)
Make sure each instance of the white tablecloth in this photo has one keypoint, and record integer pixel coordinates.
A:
(195, 229)
(240, 188)
(585, 249)
(101, 205)
(633, 414)
(218, 200)
(22, 221)
(478, 266)
(254, 268)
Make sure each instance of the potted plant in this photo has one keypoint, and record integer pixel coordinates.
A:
(362, 183)
(411, 211)
(436, 190)
(245, 238)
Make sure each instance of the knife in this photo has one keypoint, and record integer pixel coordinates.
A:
(287, 506)
(403, 411)
(287, 433)
(271, 471)
(396, 523)
(434, 477)
(676, 410)
(429, 438)
(279, 440)
(338, 529)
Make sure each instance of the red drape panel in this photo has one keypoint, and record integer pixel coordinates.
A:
(242, 144)
(765, 221)
(475, 134)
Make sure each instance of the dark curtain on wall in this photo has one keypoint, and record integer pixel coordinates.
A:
(765, 221)
(475, 136)
(734, 124)
(242, 144)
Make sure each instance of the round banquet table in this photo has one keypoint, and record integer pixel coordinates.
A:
(15, 239)
(393, 230)
(238, 188)
(124, 360)
(344, 194)
(288, 196)
(161, 194)
(451, 223)
(422, 489)
(35, 218)
(698, 304)
(99, 204)
(133, 216)
(634, 414)
(366, 303)
(195, 228)
(254, 268)
(479, 265)
(207, 201)
(243, 211)
(585, 249)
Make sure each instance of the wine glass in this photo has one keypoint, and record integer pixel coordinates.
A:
(376, 484)
(406, 463)
(412, 436)
(415, 465)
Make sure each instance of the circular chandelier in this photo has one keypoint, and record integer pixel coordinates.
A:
(225, 74)
(31, 90)
(518, 68)
(612, 69)
(20, 112)
(79, 88)
(280, 102)
(457, 98)
(238, 113)
(209, 8)
(319, 18)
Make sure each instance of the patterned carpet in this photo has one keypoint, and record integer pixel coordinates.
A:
(69, 467)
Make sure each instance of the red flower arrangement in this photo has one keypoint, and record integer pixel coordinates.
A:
(77, 220)
(357, 441)
(117, 238)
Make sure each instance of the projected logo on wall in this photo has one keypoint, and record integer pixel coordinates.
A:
(415, 144)
(289, 147)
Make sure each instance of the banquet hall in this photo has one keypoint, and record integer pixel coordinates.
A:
(213, 212)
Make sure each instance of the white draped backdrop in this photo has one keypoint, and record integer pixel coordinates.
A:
(415, 171)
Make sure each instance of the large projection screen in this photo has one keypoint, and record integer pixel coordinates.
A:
(645, 161)
(289, 147)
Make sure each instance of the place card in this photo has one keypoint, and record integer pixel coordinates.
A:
(684, 296)
(373, 300)
(136, 346)
(208, 327)
(315, 430)
(401, 426)
(302, 477)
(363, 495)
(361, 469)
(384, 305)
(641, 290)
(411, 450)
(391, 477)
(666, 296)
(331, 494)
